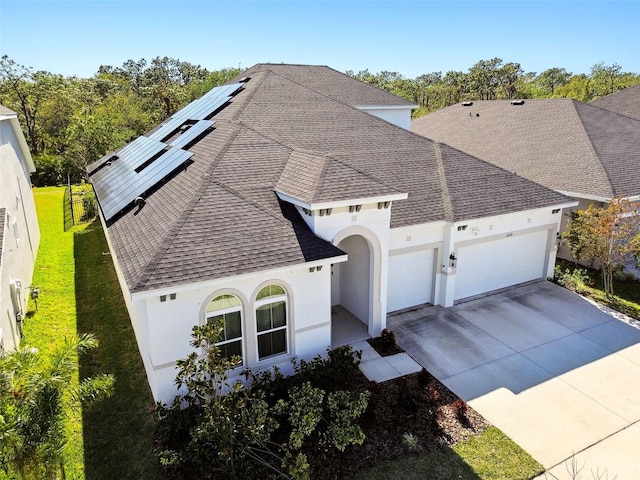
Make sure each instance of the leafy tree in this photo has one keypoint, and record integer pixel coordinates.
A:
(552, 78)
(509, 75)
(35, 399)
(607, 236)
(38, 97)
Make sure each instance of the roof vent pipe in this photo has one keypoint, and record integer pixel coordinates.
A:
(467, 104)
(139, 202)
(517, 102)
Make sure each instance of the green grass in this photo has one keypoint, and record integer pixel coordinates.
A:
(79, 293)
(488, 456)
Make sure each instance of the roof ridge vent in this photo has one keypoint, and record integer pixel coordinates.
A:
(467, 104)
(517, 102)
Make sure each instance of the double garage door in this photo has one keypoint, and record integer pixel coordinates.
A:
(481, 267)
(486, 266)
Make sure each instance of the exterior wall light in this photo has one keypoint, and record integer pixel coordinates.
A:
(452, 260)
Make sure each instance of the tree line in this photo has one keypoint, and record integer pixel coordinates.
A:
(70, 122)
(494, 80)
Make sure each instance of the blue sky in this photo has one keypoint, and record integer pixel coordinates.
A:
(409, 37)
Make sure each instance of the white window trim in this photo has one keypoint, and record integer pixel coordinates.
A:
(241, 338)
(266, 301)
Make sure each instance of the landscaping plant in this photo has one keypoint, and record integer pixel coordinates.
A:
(218, 428)
(35, 399)
(609, 237)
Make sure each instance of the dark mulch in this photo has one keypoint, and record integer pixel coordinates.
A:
(417, 404)
(385, 344)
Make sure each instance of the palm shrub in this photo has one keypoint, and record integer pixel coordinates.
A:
(36, 398)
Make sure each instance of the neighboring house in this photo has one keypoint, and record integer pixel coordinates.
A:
(625, 102)
(295, 205)
(585, 152)
(19, 231)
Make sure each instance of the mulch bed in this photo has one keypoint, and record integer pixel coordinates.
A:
(385, 344)
(416, 404)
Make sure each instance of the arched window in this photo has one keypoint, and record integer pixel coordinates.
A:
(228, 309)
(271, 319)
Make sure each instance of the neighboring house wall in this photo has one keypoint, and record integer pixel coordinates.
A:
(20, 236)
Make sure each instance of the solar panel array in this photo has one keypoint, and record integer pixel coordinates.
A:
(207, 104)
(140, 166)
(192, 133)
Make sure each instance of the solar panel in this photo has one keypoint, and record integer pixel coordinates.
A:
(192, 133)
(165, 130)
(139, 151)
(118, 184)
(91, 168)
(165, 165)
(207, 104)
(123, 184)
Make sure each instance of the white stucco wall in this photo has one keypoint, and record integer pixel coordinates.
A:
(21, 234)
(164, 328)
(399, 116)
(372, 224)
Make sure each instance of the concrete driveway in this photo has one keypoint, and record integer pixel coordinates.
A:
(557, 374)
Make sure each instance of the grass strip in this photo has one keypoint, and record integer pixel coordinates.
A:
(488, 456)
(79, 293)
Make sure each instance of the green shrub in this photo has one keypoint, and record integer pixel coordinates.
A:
(229, 431)
(576, 280)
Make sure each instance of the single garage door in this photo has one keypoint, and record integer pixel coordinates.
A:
(486, 266)
(410, 279)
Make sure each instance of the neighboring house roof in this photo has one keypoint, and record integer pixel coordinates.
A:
(220, 216)
(624, 102)
(564, 144)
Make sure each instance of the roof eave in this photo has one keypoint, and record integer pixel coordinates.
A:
(154, 292)
(386, 107)
(340, 203)
(17, 130)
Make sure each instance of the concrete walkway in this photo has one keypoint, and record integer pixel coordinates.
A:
(381, 369)
(557, 374)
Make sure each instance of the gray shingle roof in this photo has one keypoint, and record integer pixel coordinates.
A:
(625, 102)
(220, 216)
(330, 82)
(560, 143)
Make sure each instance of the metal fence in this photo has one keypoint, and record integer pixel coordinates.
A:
(80, 206)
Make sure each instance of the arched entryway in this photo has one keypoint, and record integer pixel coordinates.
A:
(353, 287)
